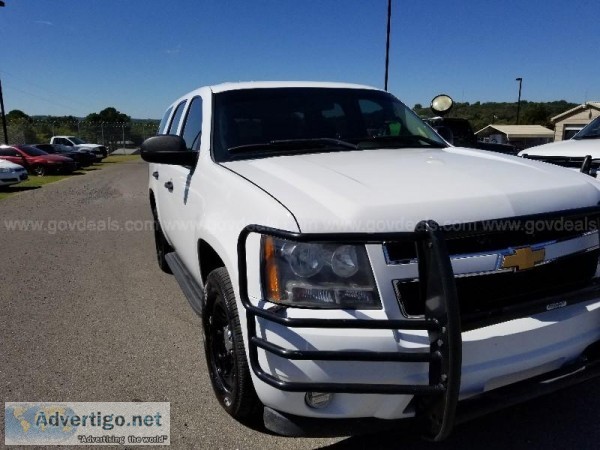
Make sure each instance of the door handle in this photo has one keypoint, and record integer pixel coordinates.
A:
(155, 174)
(169, 186)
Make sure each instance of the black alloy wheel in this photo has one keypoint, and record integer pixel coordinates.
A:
(224, 347)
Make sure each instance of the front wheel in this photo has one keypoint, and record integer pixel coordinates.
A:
(39, 170)
(224, 348)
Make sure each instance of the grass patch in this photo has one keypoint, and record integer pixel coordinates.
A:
(119, 158)
(35, 182)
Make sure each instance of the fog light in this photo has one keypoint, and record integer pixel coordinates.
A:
(318, 400)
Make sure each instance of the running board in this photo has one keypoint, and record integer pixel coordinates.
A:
(191, 289)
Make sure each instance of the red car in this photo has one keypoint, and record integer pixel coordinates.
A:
(37, 161)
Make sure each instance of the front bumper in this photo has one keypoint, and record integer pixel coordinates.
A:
(434, 387)
(13, 178)
(585, 368)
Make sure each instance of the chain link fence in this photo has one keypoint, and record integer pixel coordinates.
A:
(113, 135)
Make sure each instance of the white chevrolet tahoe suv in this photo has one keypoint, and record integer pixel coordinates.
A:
(353, 271)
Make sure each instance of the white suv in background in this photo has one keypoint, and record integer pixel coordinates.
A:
(11, 173)
(572, 152)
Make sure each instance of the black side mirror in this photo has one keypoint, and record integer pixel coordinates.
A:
(168, 149)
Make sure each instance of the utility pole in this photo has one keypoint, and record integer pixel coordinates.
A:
(2, 104)
(520, 80)
(3, 114)
(387, 43)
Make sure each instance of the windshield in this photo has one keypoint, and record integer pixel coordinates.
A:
(77, 141)
(590, 131)
(257, 123)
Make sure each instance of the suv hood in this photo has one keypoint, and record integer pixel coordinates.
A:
(393, 190)
(90, 146)
(571, 147)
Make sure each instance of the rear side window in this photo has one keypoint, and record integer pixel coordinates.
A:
(163, 122)
(192, 129)
(62, 141)
(176, 118)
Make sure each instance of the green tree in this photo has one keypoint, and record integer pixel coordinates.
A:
(537, 114)
(17, 115)
(20, 128)
(108, 115)
(109, 127)
(502, 113)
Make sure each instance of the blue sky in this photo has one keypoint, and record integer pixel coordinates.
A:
(75, 57)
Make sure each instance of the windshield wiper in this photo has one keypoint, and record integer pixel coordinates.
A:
(589, 136)
(293, 144)
(395, 141)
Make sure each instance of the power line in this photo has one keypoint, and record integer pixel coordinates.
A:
(44, 89)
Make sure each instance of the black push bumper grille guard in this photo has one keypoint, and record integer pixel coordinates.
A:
(437, 401)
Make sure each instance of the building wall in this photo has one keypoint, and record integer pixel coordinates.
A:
(580, 118)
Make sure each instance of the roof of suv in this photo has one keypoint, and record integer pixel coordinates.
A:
(282, 84)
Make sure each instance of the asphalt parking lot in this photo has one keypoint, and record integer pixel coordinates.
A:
(86, 315)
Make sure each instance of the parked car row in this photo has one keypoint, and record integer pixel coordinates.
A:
(83, 158)
(17, 161)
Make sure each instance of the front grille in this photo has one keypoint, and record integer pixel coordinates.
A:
(483, 242)
(489, 291)
(485, 296)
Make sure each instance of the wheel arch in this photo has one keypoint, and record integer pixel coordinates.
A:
(208, 259)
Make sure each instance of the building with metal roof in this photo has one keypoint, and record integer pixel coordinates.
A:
(521, 136)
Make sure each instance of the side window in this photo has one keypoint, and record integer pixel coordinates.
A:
(163, 122)
(192, 129)
(176, 118)
(9, 152)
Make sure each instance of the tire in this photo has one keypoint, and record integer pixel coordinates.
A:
(162, 246)
(39, 170)
(224, 347)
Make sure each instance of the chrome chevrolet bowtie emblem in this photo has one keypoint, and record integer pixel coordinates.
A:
(523, 258)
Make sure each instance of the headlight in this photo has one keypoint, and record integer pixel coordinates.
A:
(314, 275)
(5, 170)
